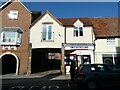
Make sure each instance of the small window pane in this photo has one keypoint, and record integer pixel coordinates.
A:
(76, 31)
(44, 33)
(9, 37)
(19, 38)
(80, 31)
(49, 32)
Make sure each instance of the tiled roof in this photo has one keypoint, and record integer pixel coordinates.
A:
(68, 22)
(35, 15)
(4, 5)
(106, 27)
(103, 27)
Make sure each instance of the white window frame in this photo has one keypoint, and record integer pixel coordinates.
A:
(46, 27)
(11, 43)
(110, 41)
(19, 39)
(13, 14)
(78, 32)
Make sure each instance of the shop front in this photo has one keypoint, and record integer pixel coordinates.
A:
(109, 58)
(83, 53)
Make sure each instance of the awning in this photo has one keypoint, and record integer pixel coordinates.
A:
(13, 29)
(82, 52)
(76, 52)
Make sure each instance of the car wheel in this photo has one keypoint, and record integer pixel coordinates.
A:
(91, 85)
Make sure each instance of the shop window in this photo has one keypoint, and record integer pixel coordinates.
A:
(108, 60)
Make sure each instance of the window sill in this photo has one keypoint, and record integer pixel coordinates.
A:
(47, 40)
(10, 43)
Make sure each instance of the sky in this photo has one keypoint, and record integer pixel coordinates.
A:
(67, 0)
(76, 9)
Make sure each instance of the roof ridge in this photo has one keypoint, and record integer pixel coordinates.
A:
(10, 1)
(46, 12)
(73, 18)
(5, 3)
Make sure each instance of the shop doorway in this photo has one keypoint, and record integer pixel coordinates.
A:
(85, 59)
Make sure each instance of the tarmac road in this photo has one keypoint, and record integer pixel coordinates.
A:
(49, 80)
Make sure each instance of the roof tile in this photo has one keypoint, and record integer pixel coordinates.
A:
(68, 22)
(105, 27)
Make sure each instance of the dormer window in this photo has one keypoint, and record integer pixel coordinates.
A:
(78, 31)
(11, 36)
(13, 14)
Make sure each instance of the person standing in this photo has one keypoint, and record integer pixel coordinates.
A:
(72, 70)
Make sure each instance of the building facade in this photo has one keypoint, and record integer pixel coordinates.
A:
(15, 21)
(88, 40)
(46, 37)
(79, 38)
(107, 42)
(50, 35)
(31, 42)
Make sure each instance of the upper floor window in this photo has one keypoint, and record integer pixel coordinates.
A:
(47, 33)
(78, 31)
(110, 41)
(13, 14)
(11, 36)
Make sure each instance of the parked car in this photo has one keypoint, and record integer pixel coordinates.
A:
(91, 76)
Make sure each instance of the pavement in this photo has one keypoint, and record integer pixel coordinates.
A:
(39, 75)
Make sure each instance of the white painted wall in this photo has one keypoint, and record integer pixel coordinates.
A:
(36, 36)
(86, 38)
(98, 58)
(101, 45)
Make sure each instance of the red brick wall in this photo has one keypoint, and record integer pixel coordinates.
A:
(23, 21)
